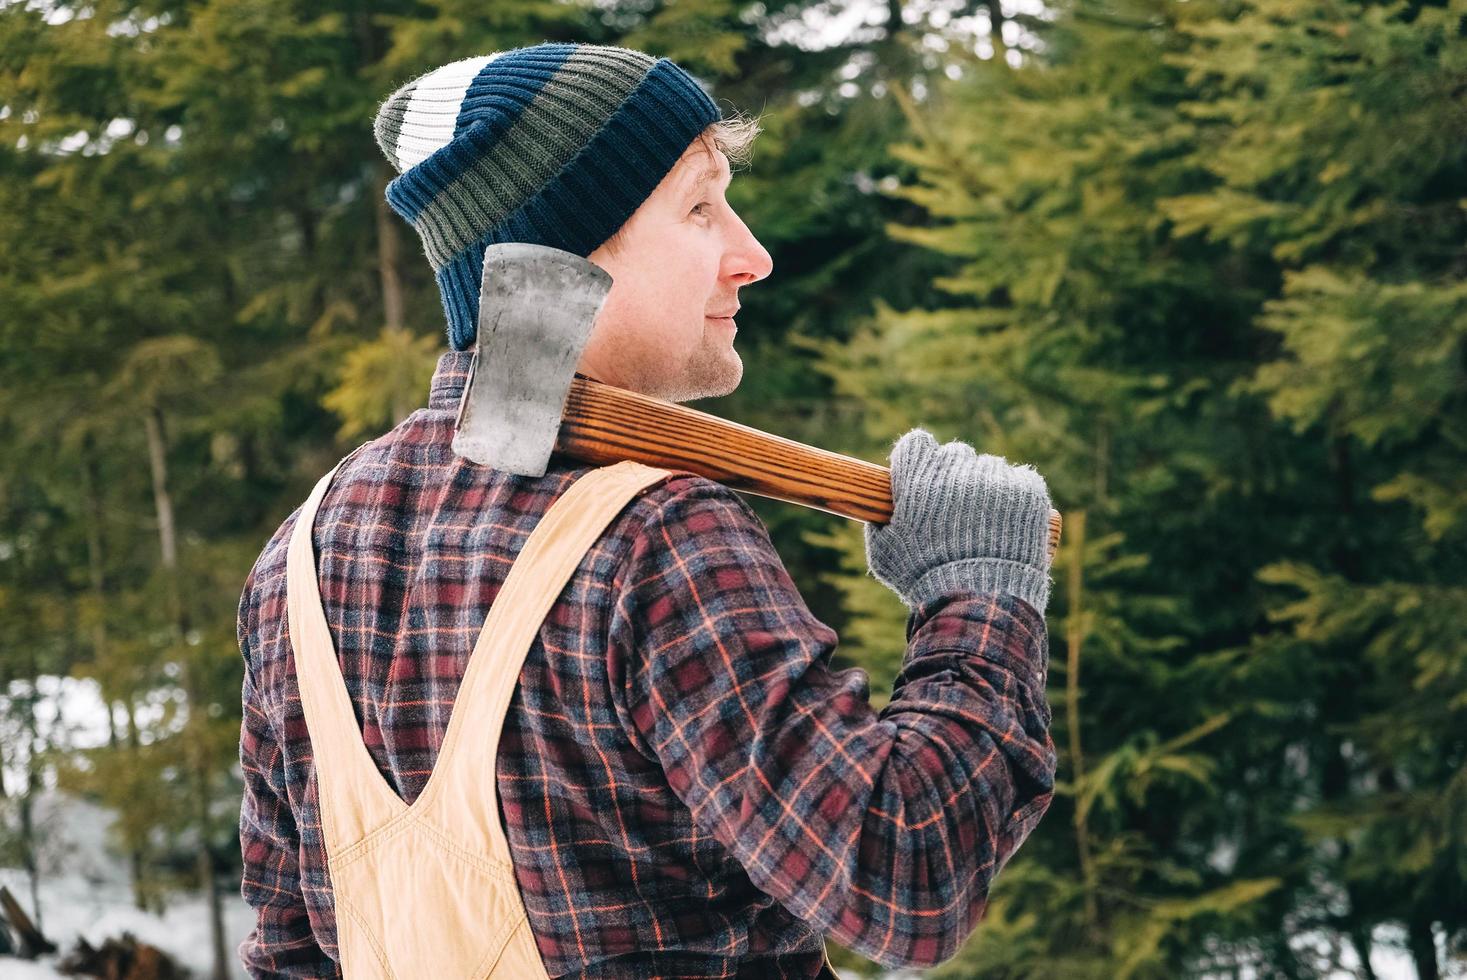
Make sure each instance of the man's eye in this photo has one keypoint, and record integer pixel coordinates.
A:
(703, 204)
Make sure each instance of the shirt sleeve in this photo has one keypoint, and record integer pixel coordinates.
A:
(882, 830)
(281, 943)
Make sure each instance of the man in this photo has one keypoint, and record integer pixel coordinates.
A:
(688, 789)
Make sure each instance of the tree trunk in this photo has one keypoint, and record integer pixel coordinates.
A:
(307, 221)
(162, 502)
(195, 745)
(27, 799)
(995, 30)
(132, 723)
(4, 791)
(211, 880)
(1340, 707)
(1345, 553)
(1075, 637)
(1423, 947)
(1360, 939)
(135, 857)
(96, 561)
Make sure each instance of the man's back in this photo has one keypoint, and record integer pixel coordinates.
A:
(687, 789)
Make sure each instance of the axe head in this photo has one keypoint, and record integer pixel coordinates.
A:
(537, 306)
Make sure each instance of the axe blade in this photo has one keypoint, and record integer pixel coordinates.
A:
(537, 306)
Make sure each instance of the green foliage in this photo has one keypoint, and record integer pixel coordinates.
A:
(381, 381)
(1342, 371)
(1209, 280)
(1201, 263)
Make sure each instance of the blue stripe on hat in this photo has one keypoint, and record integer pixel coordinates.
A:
(515, 77)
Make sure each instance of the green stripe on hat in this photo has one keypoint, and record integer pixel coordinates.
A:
(388, 125)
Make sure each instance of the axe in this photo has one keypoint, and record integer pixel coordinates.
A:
(524, 400)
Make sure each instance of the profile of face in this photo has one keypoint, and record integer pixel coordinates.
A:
(667, 327)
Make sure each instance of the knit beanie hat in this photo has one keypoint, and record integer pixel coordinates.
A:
(553, 144)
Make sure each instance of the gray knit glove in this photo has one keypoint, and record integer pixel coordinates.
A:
(961, 523)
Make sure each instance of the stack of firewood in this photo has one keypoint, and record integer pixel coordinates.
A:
(121, 959)
(18, 934)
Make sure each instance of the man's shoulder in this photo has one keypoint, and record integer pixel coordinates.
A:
(360, 468)
(263, 591)
(271, 559)
(685, 497)
(692, 523)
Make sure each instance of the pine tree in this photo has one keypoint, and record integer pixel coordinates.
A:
(1138, 307)
(1329, 135)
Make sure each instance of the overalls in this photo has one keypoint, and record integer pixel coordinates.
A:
(428, 890)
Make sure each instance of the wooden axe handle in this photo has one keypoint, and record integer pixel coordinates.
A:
(603, 424)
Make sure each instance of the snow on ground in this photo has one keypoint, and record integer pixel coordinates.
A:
(85, 893)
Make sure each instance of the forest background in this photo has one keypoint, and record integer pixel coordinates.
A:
(1203, 263)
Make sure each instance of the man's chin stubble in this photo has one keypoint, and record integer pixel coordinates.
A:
(711, 372)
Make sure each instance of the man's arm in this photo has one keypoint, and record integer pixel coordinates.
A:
(281, 944)
(883, 831)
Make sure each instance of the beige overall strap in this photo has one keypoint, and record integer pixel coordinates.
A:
(463, 782)
(354, 799)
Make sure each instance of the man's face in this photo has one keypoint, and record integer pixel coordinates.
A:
(665, 330)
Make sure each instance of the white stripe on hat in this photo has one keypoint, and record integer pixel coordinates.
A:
(427, 126)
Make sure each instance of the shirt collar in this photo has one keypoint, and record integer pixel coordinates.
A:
(449, 379)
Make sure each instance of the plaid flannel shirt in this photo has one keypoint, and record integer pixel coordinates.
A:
(688, 788)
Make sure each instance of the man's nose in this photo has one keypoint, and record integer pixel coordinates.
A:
(746, 259)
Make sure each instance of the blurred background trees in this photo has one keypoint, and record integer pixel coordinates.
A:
(1203, 263)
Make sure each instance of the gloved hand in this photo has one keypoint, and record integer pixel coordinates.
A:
(961, 522)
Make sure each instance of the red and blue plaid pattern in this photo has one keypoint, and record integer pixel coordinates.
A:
(688, 789)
